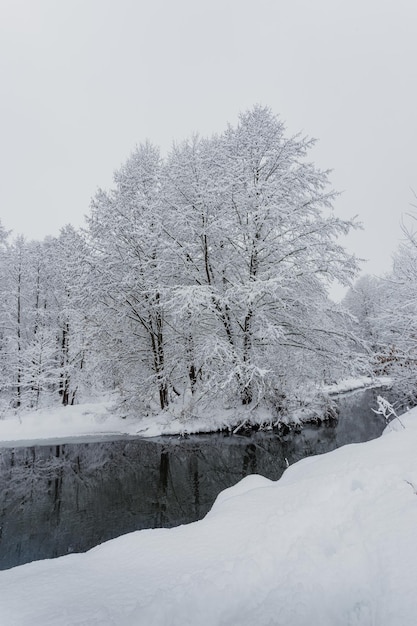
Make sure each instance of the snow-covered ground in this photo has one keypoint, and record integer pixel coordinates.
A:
(352, 384)
(100, 419)
(89, 420)
(332, 543)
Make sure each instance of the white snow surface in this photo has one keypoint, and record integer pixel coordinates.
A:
(332, 543)
(99, 419)
(88, 420)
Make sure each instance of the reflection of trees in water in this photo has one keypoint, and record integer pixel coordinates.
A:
(162, 490)
(178, 492)
(70, 497)
(56, 499)
(24, 474)
(250, 465)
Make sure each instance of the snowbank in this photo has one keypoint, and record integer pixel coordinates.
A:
(89, 420)
(332, 543)
(100, 419)
(352, 384)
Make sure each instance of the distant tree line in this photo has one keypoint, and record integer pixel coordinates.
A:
(384, 312)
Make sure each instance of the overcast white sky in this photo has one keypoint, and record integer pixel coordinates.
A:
(83, 81)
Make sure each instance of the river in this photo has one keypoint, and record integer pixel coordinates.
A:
(69, 497)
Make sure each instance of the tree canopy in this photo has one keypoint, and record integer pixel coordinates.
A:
(201, 276)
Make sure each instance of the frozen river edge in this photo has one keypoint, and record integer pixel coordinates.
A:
(98, 421)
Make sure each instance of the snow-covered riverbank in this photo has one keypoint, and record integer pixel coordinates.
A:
(331, 543)
(99, 419)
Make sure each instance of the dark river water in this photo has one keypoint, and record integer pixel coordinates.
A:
(56, 499)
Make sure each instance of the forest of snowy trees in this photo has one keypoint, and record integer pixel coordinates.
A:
(384, 314)
(204, 277)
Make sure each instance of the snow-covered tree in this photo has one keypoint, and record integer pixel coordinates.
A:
(42, 324)
(129, 267)
(4, 275)
(16, 320)
(367, 302)
(398, 317)
(251, 223)
(70, 283)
